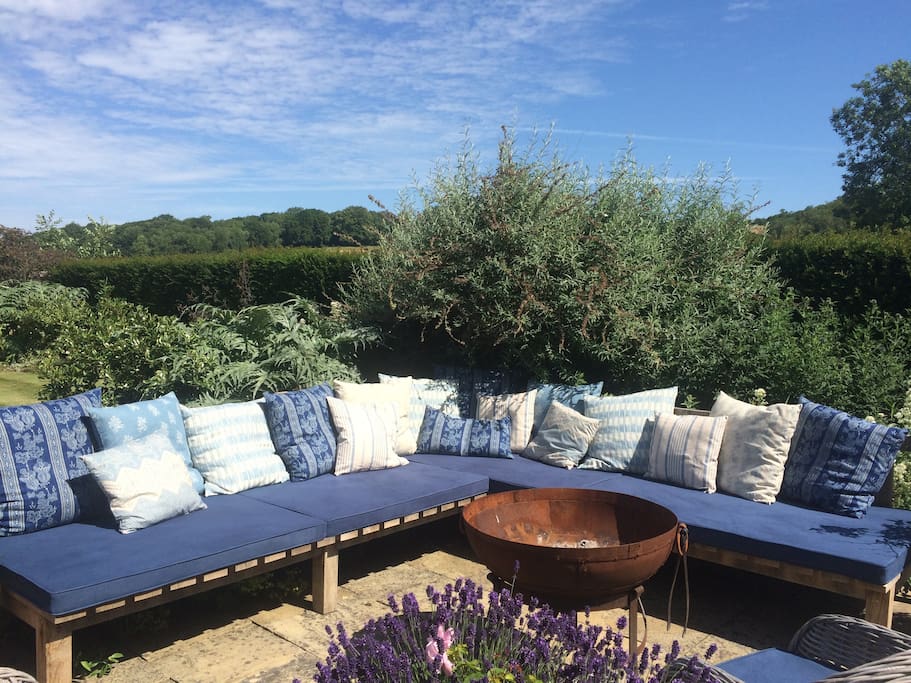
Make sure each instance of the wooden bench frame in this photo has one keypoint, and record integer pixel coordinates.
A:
(54, 633)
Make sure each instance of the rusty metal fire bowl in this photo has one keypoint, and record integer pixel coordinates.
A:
(572, 545)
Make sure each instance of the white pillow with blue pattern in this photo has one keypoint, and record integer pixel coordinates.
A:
(145, 481)
(447, 435)
(622, 442)
(231, 446)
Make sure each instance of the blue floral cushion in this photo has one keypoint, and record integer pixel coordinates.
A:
(838, 462)
(145, 480)
(122, 424)
(569, 395)
(301, 430)
(447, 435)
(40, 445)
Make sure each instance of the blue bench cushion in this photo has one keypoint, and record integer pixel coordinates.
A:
(775, 666)
(360, 499)
(517, 473)
(70, 568)
(873, 548)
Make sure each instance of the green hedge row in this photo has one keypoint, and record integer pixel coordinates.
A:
(850, 268)
(168, 284)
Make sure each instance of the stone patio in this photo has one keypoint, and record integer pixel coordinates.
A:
(233, 635)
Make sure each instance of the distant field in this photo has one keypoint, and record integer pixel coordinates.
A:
(18, 387)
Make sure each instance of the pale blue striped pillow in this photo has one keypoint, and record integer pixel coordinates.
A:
(684, 450)
(231, 446)
(622, 442)
(366, 435)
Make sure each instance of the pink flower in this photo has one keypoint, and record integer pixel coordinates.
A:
(432, 651)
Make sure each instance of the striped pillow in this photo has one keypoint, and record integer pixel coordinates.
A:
(622, 443)
(366, 435)
(684, 450)
(449, 435)
(230, 445)
(519, 408)
(838, 462)
(371, 393)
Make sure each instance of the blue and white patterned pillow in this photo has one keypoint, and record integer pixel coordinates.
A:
(838, 462)
(684, 450)
(145, 480)
(366, 434)
(131, 421)
(230, 445)
(447, 435)
(441, 394)
(301, 430)
(622, 442)
(40, 445)
(567, 394)
(519, 408)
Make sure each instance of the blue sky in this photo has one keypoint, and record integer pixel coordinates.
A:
(126, 110)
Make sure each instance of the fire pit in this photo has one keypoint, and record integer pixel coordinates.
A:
(572, 545)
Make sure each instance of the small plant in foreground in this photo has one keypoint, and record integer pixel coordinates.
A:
(463, 639)
(101, 667)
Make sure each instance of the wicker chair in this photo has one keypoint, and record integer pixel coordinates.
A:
(12, 676)
(831, 648)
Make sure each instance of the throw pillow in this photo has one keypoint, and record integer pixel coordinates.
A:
(145, 480)
(519, 408)
(622, 442)
(122, 424)
(755, 447)
(397, 393)
(441, 394)
(448, 435)
(563, 438)
(40, 445)
(230, 445)
(838, 462)
(366, 435)
(569, 395)
(301, 430)
(684, 450)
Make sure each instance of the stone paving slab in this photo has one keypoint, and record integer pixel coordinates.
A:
(228, 635)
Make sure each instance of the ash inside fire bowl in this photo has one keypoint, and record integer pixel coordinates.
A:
(559, 541)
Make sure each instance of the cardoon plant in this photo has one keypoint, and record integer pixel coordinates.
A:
(463, 639)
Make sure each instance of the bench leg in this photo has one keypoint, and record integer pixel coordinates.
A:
(53, 654)
(879, 606)
(325, 581)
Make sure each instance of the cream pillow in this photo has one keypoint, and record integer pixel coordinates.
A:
(684, 450)
(519, 408)
(398, 393)
(755, 447)
(365, 435)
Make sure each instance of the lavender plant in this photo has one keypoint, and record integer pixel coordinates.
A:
(462, 638)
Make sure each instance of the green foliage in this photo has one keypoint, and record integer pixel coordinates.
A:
(876, 128)
(95, 239)
(168, 284)
(22, 257)
(542, 268)
(32, 315)
(18, 386)
(850, 268)
(832, 216)
(217, 356)
(96, 668)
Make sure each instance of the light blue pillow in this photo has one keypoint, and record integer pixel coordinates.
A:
(145, 480)
(40, 445)
(838, 462)
(569, 395)
(230, 445)
(564, 437)
(301, 430)
(131, 421)
(622, 442)
(447, 435)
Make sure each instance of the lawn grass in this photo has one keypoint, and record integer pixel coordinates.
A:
(18, 387)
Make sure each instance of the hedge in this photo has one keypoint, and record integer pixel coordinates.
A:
(168, 284)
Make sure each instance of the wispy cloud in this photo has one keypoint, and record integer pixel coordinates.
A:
(741, 10)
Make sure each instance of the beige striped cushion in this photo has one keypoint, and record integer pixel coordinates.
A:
(685, 449)
(520, 408)
(365, 434)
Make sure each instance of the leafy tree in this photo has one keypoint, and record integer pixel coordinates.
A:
(876, 128)
(305, 227)
(22, 257)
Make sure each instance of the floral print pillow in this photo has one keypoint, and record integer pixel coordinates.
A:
(447, 435)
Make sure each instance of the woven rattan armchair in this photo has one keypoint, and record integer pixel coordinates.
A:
(854, 650)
